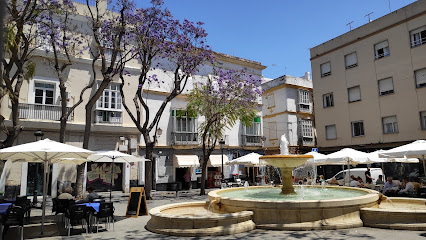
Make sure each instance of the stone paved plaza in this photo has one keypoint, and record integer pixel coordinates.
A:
(134, 228)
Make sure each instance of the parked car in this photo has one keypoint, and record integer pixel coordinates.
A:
(375, 172)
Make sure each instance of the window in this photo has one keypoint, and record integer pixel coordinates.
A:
(44, 93)
(272, 130)
(354, 94)
(330, 132)
(357, 129)
(390, 124)
(423, 120)
(184, 127)
(304, 100)
(385, 86)
(325, 69)
(307, 134)
(252, 133)
(108, 107)
(328, 100)
(254, 129)
(271, 100)
(381, 49)
(418, 36)
(351, 60)
(420, 76)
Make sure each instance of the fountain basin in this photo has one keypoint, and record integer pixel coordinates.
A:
(401, 214)
(300, 214)
(194, 219)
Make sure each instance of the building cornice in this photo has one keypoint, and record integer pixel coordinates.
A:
(285, 85)
(302, 114)
(365, 36)
(239, 61)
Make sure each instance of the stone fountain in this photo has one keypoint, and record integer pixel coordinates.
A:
(286, 163)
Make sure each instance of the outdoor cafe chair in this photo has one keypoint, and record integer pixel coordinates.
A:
(25, 203)
(14, 217)
(74, 215)
(106, 210)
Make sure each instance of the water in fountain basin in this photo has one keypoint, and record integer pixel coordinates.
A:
(309, 193)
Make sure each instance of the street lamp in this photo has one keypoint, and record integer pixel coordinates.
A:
(222, 145)
(38, 136)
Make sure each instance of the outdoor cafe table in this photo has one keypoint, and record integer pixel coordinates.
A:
(3, 211)
(93, 207)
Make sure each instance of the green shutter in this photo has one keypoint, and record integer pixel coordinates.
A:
(257, 119)
(173, 113)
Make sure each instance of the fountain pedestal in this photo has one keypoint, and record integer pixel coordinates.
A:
(286, 163)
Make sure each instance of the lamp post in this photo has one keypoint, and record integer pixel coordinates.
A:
(39, 136)
(222, 145)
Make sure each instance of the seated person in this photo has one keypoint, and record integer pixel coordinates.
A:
(369, 184)
(409, 187)
(354, 183)
(334, 181)
(390, 185)
(398, 183)
(380, 180)
(416, 186)
(67, 194)
(89, 197)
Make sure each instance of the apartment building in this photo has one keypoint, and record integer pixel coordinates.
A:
(370, 83)
(178, 148)
(179, 145)
(288, 109)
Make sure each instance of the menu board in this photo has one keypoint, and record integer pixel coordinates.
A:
(136, 205)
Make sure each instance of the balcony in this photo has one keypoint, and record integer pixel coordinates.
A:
(108, 117)
(41, 112)
(251, 141)
(184, 138)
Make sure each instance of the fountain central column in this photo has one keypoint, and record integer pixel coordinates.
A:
(287, 180)
(286, 163)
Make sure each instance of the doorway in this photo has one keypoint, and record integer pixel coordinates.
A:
(35, 179)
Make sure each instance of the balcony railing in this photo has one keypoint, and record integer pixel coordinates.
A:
(41, 112)
(251, 141)
(179, 138)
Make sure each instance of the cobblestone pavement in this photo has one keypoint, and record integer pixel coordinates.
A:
(134, 228)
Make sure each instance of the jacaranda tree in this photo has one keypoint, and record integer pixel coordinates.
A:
(225, 98)
(173, 46)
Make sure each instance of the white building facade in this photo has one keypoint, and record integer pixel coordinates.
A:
(287, 109)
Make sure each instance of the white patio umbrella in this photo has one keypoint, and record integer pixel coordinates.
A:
(114, 157)
(318, 157)
(375, 158)
(345, 156)
(416, 149)
(48, 152)
(251, 159)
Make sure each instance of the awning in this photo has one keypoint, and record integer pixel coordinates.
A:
(216, 160)
(183, 161)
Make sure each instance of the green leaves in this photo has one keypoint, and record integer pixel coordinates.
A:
(30, 68)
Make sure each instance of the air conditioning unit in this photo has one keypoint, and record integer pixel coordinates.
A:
(123, 148)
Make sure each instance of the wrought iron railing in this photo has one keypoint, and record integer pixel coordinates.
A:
(41, 112)
(179, 138)
(251, 141)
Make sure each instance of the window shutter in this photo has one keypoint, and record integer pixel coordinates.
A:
(354, 94)
(381, 45)
(385, 86)
(421, 77)
(351, 59)
(330, 132)
(418, 30)
(325, 68)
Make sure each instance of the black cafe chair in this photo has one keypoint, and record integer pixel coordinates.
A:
(106, 211)
(25, 203)
(14, 217)
(74, 215)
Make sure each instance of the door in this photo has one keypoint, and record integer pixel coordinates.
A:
(35, 179)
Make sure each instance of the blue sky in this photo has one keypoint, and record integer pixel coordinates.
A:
(277, 33)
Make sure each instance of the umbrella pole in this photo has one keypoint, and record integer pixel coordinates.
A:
(112, 172)
(424, 167)
(45, 184)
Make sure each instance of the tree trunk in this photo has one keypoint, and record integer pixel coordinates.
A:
(148, 169)
(204, 173)
(64, 112)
